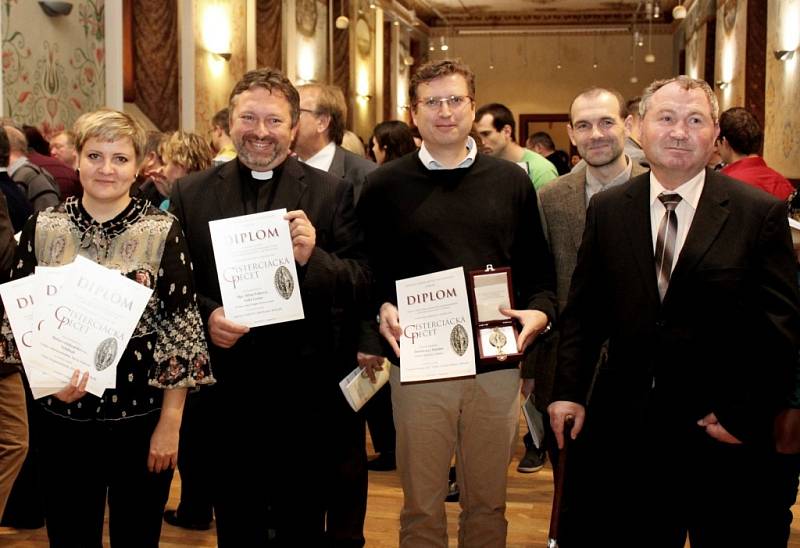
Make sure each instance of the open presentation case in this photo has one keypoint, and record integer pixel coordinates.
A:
(495, 334)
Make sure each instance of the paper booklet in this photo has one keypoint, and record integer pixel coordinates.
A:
(358, 388)
(535, 421)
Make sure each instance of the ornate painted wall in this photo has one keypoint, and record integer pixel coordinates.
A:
(729, 64)
(219, 25)
(53, 67)
(782, 104)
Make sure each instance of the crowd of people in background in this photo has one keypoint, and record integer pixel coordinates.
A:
(656, 299)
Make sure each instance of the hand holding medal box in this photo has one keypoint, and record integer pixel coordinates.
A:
(256, 268)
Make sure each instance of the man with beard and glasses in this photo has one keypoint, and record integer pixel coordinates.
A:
(598, 127)
(263, 491)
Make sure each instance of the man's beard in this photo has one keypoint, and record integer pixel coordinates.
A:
(259, 161)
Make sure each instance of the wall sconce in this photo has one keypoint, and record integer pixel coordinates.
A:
(722, 84)
(408, 60)
(224, 55)
(54, 9)
(363, 99)
(783, 54)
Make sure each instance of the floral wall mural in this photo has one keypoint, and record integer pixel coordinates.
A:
(53, 67)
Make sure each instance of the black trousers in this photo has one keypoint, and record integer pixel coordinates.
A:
(346, 490)
(194, 456)
(85, 463)
(378, 412)
(659, 488)
(267, 486)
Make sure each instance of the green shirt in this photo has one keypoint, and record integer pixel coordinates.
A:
(540, 169)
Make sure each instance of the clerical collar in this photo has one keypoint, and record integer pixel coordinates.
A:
(261, 175)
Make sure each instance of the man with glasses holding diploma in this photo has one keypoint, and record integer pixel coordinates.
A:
(444, 207)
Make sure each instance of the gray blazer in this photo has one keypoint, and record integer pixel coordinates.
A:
(562, 205)
(562, 209)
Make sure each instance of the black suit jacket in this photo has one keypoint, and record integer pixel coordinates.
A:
(351, 167)
(318, 349)
(725, 338)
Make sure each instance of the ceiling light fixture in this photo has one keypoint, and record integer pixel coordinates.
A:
(342, 22)
(650, 58)
(679, 12)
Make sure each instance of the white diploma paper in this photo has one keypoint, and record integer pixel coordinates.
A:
(437, 330)
(256, 269)
(20, 303)
(96, 313)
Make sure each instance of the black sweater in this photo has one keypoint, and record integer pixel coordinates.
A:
(419, 221)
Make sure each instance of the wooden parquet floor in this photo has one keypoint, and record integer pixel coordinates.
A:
(528, 514)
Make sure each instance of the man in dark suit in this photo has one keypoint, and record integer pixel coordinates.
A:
(320, 129)
(274, 381)
(689, 275)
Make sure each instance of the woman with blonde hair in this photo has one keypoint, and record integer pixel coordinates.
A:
(181, 153)
(120, 448)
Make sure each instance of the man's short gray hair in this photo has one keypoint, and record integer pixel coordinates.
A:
(687, 83)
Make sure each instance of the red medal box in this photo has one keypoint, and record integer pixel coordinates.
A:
(495, 334)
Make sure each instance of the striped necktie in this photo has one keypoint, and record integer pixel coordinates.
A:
(665, 242)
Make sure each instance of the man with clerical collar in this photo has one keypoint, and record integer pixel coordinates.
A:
(443, 208)
(688, 278)
(275, 381)
(598, 127)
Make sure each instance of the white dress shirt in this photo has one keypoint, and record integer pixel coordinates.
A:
(323, 158)
(431, 163)
(689, 192)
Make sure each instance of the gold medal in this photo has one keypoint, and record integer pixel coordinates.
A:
(498, 340)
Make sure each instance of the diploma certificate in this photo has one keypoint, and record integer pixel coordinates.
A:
(437, 338)
(18, 298)
(256, 269)
(96, 313)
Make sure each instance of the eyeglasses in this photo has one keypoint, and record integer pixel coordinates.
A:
(454, 102)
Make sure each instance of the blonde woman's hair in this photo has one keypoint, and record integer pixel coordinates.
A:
(108, 125)
(188, 150)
